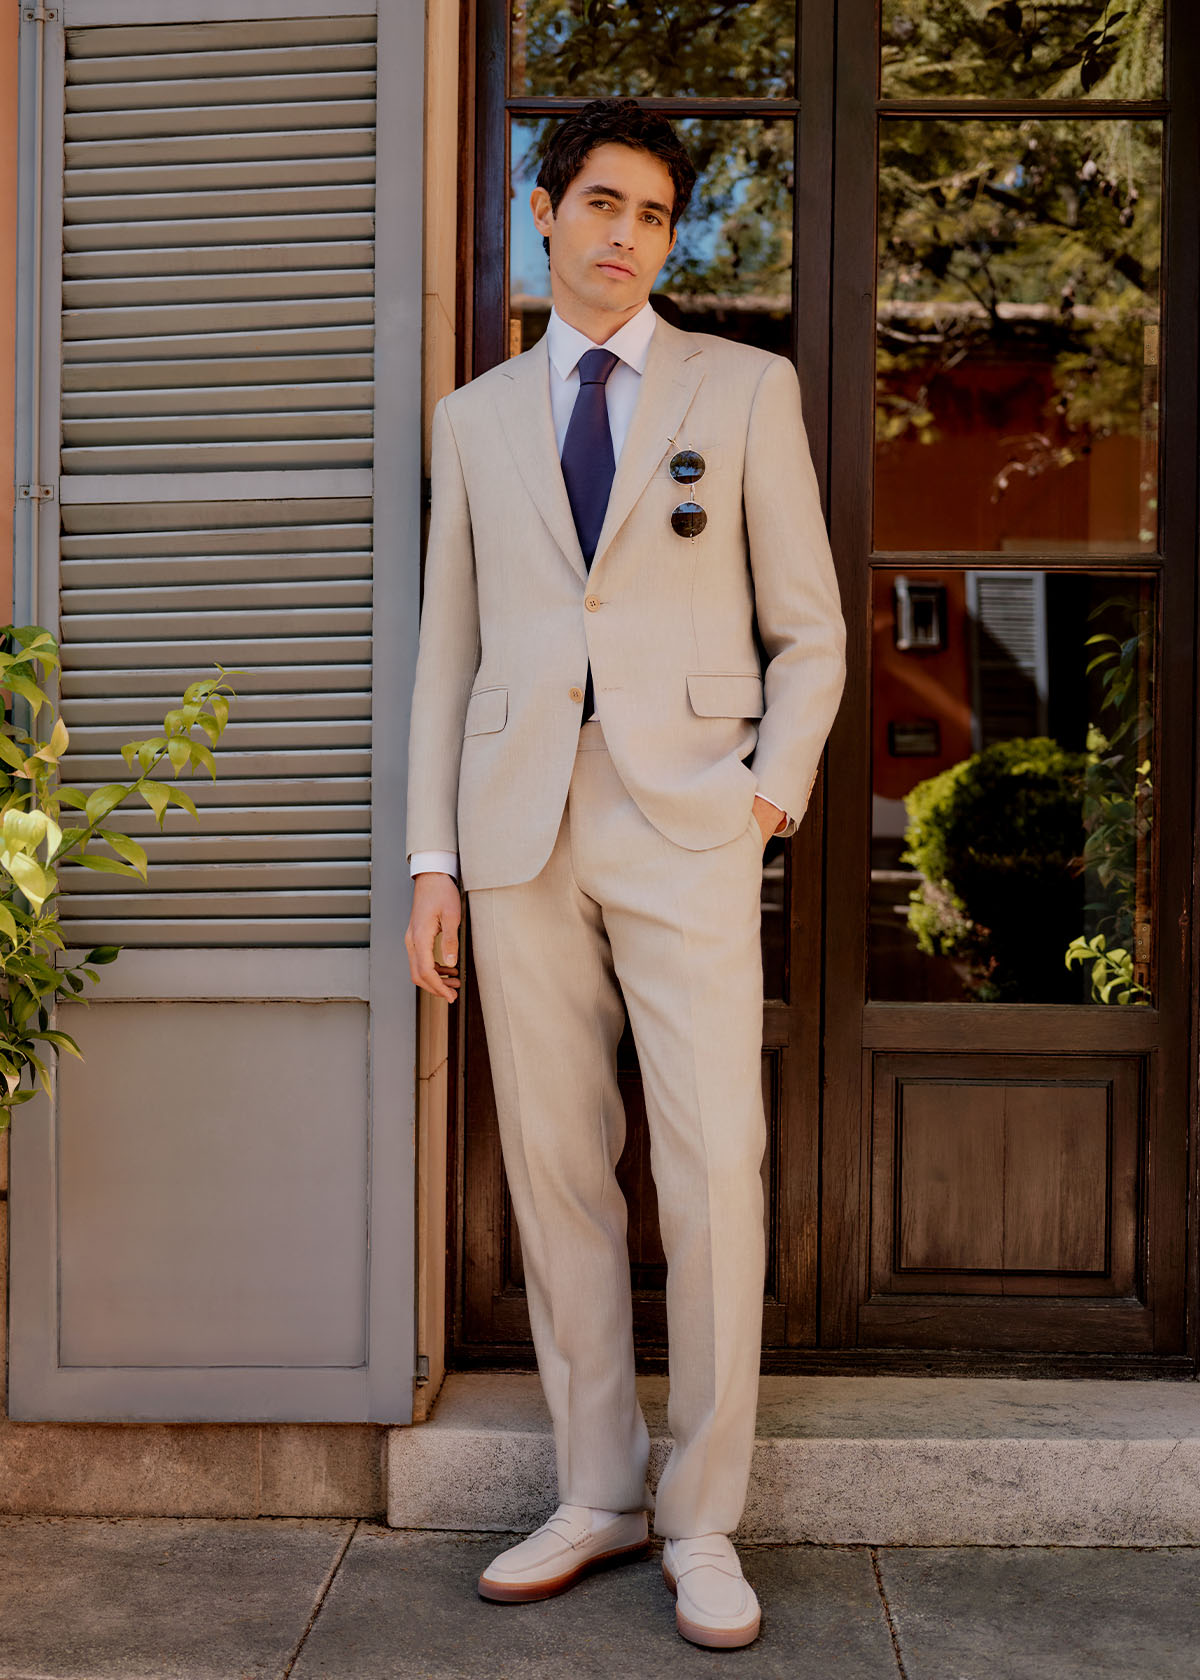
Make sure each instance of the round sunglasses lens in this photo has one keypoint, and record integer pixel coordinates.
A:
(687, 466)
(689, 519)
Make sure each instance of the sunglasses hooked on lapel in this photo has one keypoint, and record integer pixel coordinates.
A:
(686, 466)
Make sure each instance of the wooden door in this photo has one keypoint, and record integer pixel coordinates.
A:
(1008, 1075)
(969, 1163)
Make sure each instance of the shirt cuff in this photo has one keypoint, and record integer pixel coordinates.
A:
(780, 809)
(439, 863)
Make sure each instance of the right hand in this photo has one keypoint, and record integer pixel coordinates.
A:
(436, 909)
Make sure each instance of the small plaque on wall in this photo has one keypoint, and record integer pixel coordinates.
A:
(921, 738)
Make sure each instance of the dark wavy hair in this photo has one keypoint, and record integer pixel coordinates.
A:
(628, 124)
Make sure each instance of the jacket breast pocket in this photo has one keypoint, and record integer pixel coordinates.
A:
(487, 712)
(732, 694)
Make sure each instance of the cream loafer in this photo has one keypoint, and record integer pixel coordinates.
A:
(714, 1603)
(567, 1545)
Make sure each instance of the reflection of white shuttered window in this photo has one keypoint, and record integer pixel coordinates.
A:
(217, 324)
(1010, 667)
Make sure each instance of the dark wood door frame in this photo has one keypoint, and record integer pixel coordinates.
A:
(825, 1138)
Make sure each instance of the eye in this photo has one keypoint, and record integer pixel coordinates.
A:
(598, 201)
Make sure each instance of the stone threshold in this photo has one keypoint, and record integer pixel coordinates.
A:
(886, 1461)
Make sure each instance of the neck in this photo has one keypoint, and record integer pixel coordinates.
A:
(596, 324)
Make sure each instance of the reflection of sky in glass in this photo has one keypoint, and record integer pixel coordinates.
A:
(699, 238)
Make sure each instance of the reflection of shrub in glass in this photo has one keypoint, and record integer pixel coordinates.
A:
(1118, 804)
(994, 839)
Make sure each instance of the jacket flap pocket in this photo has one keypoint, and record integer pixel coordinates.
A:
(487, 711)
(725, 694)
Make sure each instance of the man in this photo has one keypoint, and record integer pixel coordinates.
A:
(596, 749)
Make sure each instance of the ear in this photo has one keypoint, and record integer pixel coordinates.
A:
(543, 215)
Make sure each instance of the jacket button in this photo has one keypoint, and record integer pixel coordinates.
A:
(577, 694)
(592, 602)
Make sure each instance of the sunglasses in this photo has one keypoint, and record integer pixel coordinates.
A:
(689, 518)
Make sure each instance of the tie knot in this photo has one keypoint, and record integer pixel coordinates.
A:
(596, 365)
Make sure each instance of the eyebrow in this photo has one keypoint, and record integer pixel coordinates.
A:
(615, 192)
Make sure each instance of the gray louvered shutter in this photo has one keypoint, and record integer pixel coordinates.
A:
(219, 303)
(218, 197)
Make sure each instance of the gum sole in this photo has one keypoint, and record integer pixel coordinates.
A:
(717, 1639)
(498, 1592)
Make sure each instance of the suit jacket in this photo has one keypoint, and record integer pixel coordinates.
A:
(693, 720)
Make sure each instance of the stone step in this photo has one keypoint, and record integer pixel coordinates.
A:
(888, 1461)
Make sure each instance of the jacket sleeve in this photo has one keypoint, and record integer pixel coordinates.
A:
(447, 655)
(797, 605)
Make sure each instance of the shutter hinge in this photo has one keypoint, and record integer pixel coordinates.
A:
(35, 492)
(422, 1369)
(38, 14)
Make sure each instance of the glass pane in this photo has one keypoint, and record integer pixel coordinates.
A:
(731, 269)
(641, 47)
(1017, 336)
(1067, 49)
(1012, 787)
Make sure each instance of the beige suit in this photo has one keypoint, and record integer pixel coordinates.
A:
(618, 865)
(507, 630)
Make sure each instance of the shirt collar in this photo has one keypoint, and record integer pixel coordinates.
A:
(631, 342)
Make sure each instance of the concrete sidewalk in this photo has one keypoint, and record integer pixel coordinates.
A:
(86, 1598)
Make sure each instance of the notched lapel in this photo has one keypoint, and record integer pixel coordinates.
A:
(523, 405)
(672, 375)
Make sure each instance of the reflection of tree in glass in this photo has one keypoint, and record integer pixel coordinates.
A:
(1023, 241)
(1118, 806)
(1111, 49)
(642, 47)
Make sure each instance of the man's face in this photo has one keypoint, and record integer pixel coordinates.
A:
(611, 232)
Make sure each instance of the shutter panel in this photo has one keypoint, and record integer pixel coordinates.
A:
(217, 325)
(213, 1215)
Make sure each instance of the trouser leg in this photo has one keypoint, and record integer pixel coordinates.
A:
(553, 1015)
(684, 928)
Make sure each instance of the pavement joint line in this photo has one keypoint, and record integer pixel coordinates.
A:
(319, 1600)
(893, 1631)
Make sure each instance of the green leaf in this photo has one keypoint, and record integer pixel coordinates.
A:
(106, 865)
(179, 751)
(210, 727)
(103, 954)
(129, 850)
(28, 690)
(23, 830)
(156, 796)
(104, 800)
(61, 1041)
(177, 796)
(202, 755)
(35, 882)
(73, 797)
(220, 708)
(8, 925)
(10, 753)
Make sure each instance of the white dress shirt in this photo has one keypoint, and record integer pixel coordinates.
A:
(566, 344)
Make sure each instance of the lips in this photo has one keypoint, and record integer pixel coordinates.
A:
(616, 268)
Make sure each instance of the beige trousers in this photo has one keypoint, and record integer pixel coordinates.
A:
(617, 909)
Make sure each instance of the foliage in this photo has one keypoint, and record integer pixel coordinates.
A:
(993, 838)
(1118, 801)
(34, 846)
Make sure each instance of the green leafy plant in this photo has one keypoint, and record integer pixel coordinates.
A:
(35, 844)
(1118, 804)
(994, 838)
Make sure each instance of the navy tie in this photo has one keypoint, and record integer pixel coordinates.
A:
(588, 463)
